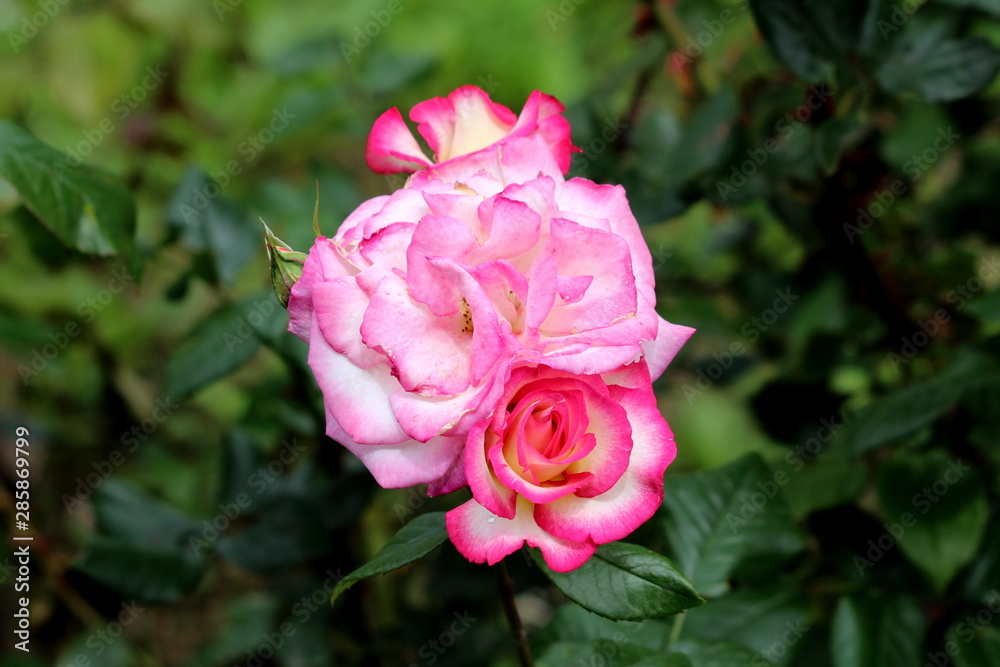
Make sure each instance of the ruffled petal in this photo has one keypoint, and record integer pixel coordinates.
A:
(408, 463)
(391, 147)
(638, 493)
(357, 399)
(483, 537)
(670, 338)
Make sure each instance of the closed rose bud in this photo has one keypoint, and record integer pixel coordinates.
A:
(286, 265)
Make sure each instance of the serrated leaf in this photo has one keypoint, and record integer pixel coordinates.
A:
(625, 582)
(148, 574)
(873, 632)
(414, 540)
(721, 518)
(86, 208)
(948, 508)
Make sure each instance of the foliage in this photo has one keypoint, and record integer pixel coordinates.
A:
(817, 183)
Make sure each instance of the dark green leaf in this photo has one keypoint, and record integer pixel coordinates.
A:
(877, 632)
(147, 574)
(790, 30)
(980, 584)
(946, 506)
(704, 143)
(222, 343)
(625, 582)
(208, 220)
(85, 207)
(761, 619)
(414, 540)
(899, 414)
(941, 71)
(287, 533)
(826, 483)
(720, 518)
(991, 6)
(574, 624)
(132, 516)
(973, 644)
(704, 653)
(833, 138)
(603, 651)
(96, 649)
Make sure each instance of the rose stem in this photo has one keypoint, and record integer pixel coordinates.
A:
(506, 587)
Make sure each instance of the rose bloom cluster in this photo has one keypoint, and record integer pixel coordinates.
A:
(492, 325)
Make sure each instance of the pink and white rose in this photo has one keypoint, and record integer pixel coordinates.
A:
(567, 462)
(419, 307)
(465, 122)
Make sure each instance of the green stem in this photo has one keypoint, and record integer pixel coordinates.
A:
(675, 632)
(506, 587)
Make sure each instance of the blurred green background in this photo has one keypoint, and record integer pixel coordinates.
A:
(818, 185)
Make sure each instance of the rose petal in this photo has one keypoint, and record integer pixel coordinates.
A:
(357, 399)
(639, 492)
(483, 537)
(406, 464)
(670, 338)
(391, 147)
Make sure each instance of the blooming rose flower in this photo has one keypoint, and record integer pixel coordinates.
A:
(465, 122)
(567, 462)
(415, 311)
